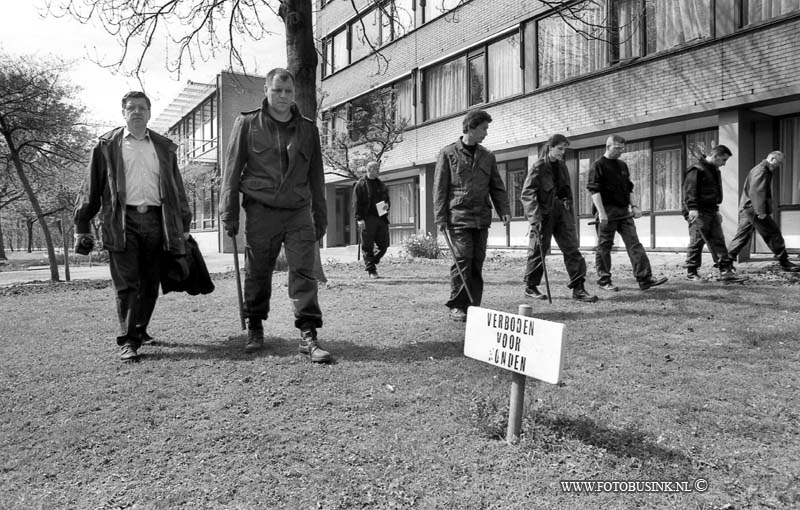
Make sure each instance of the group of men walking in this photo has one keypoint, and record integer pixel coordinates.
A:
(467, 185)
(274, 163)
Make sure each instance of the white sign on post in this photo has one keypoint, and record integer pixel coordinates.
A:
(528, 346)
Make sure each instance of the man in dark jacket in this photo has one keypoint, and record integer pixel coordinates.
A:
(610, 185)
(755, 211)
(465, 179)
(133, 178)
(371, 206)
(274, 160)
(702, 194)
(546, 198)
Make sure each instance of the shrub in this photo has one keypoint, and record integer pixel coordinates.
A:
(423, 245)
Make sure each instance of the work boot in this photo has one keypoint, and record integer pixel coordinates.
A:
(728, 276)
(652, 282)
(255, 336)
(458, 315)
(579, 293)
(309, 345)
(691, 274)
(374, 274)
(533, 292)
(789, 267)
(607, 285)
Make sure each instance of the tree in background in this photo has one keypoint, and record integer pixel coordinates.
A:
(42, 134)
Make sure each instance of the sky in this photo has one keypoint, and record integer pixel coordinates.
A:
(25, 32)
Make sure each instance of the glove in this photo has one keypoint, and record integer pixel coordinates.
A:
(692, 215)
(231, 227)
(84, 243)
(319, 231)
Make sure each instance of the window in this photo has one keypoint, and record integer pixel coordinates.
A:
(366, 34)
(505, 74)
(789, 173)
(403, 15)
(756, 11)
(477, 78)
(335, 51)
(444, 88)
(435, 8)
(404, 102)
(699, 145)
(403, 213)
(204, 209)
(516, 171)
(676, 22)
(567, 49)
(626, 34)
(585, 159)
(637, 156)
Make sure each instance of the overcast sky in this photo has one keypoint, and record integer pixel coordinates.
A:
(25, 32)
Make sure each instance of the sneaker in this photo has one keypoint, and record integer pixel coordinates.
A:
(579, 293)
(789, 267)
(532, 291)
(146, 339)
(652, 282)
(608, 286)
(374, 275)
(693, 276)
(729, 276)
(309, 345)
(255, 340)
(458, 315)
(128, 353)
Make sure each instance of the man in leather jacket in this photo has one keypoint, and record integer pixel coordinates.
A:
(274, 160)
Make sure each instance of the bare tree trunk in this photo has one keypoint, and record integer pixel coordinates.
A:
(2, 243)
(48, 239)
(64, 232)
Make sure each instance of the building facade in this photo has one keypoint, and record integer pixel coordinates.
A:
(673, 77)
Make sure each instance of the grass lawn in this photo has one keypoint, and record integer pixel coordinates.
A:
(686, 381)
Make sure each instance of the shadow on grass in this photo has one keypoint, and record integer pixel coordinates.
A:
(625, 443)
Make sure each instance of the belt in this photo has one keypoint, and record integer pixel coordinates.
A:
(142, 209)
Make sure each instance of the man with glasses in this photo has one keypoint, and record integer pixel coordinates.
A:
(133, 177)
(609, 183)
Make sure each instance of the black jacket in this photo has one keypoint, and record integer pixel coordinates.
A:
(186, 273)
(702, 188)
(363, 201)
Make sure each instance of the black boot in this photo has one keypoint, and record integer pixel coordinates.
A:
(255, 336)
(579, 293)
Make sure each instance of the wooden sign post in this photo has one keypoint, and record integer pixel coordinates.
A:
(519, 343)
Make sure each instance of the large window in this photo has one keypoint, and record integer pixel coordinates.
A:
(789, 173)
(505, 73)
(668, 174)
(445, 87)
(403, 213)
(637, 156)
(676, 22)
(196, 133)
(585, 159)
(756, 11)
(516, 171)
(571, 43)
(435, 8)
(476, 66)
(204, 209)
(404, 102)
(366, 33)
(626, 34)
(699, 145)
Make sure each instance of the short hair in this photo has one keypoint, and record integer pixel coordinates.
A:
(280, 74)
(720, 150)
(135, 94)
(474, 119)
(776, 154)
(371, 164)
(611, 140)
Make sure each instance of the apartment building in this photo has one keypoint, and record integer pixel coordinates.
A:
(674, 77)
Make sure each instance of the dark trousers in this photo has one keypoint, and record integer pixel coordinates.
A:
(135, 273)
(559, 224)
(266, 230)
(706, 229)
(374, 235)
(469, 250)
(768, 229)
(605, 242)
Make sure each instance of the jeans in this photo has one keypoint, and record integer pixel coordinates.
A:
(706, 229)
(559, 224)
(469, 250)
(375, 234)
(605, 241)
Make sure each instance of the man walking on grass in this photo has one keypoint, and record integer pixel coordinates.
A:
(371, 207)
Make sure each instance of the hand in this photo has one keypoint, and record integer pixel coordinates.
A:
(186, 236)
(231, 227)
(361, 224)
(84, 244)
(319, 231)
(568, 204)
(762, 216)
(692, 216)
(506, 219)
(535, 230)
(602, 219)
(637, 212)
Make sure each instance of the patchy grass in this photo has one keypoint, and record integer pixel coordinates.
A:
(686, 381)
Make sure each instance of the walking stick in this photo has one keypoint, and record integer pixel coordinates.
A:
(458, 267)
(238, 281)
(358, 242)
(544, 268)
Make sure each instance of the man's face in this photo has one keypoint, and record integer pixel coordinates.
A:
(136, 113)
(615, 150)
(373, 171)
(719, 160)
(478, 133)
(280, 95)
(774, 161)
(557, 151)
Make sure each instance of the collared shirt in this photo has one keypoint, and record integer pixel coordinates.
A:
(141, 170)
